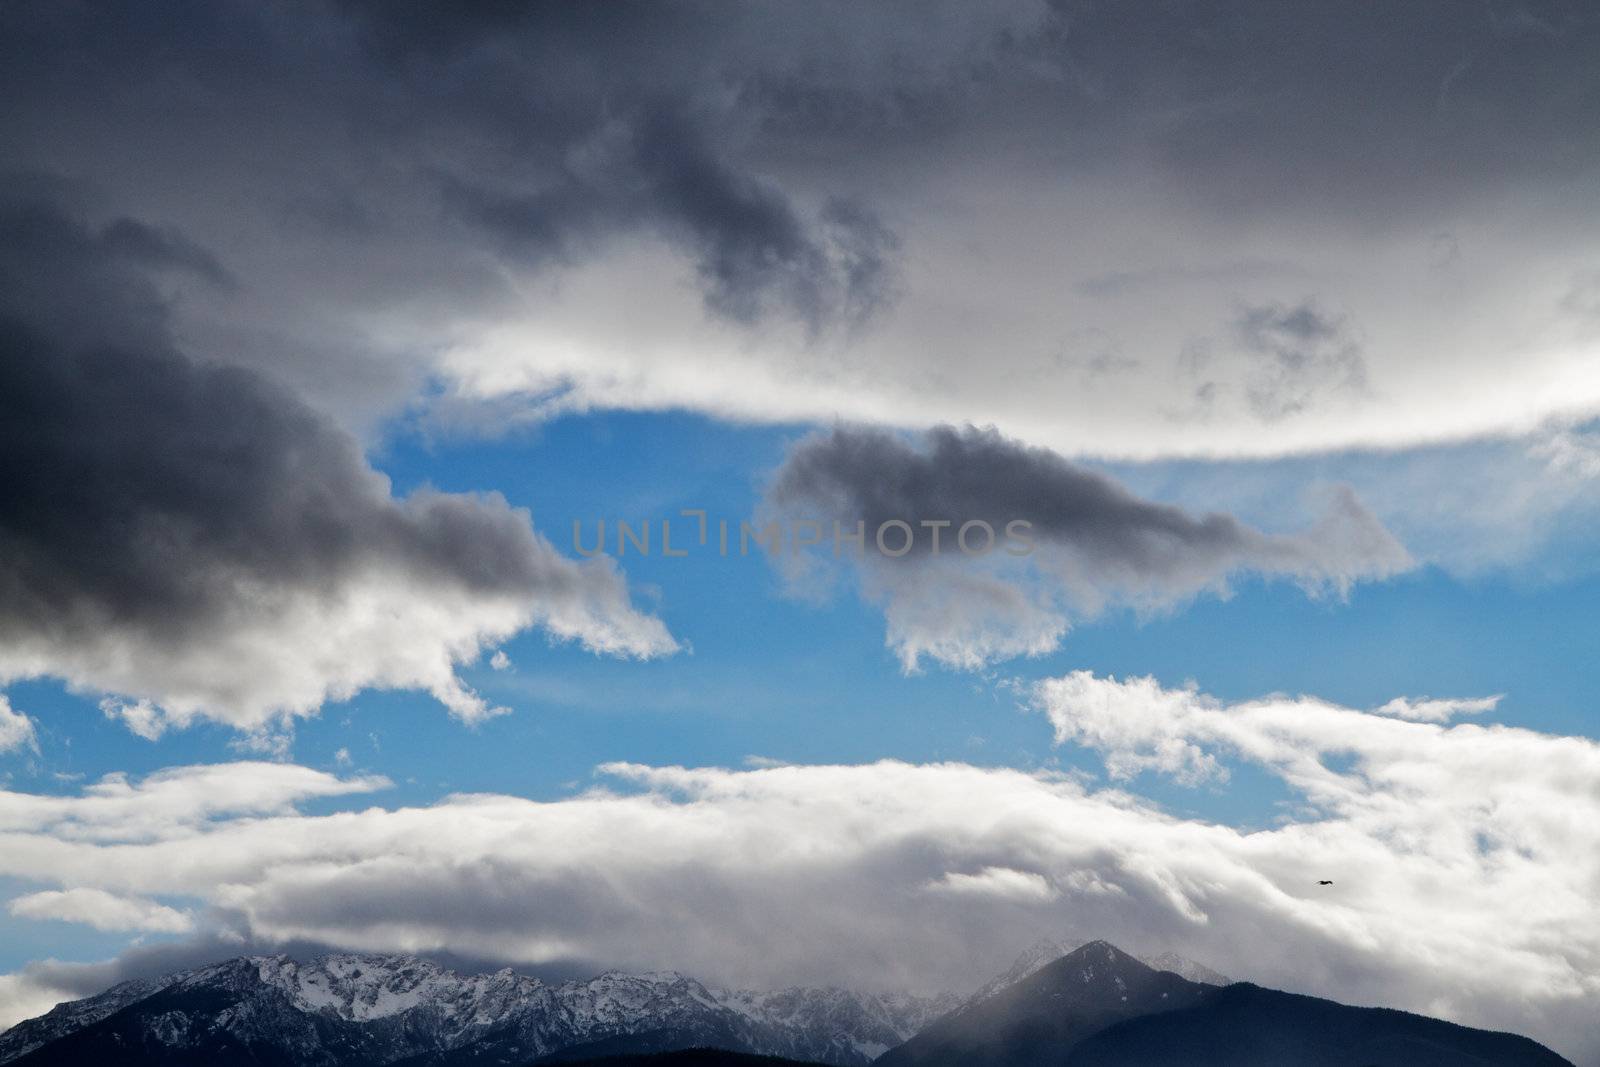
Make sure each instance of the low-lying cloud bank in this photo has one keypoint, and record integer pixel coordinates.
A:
(195, 541)
(892, 874)
(957, 588)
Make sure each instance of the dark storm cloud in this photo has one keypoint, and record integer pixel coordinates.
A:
(960, 475)
(836, 165)
(1246, 103)
(616, 124)
(150, 499)
(549, 129)
(162, 247)
(753, 251)
(1257, 107)
(141, 487)
(1093, 542)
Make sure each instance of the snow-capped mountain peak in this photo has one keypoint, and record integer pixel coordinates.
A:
(390, 1008)
(1035, 956)
(1047, 950)
(394, 1008)
(72, 1015)
(1184, 967)
(362, 988)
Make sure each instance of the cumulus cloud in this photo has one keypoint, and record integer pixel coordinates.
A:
(959, 587)
(101, 910)
(16, 729)
(196, 541)
(892, 874)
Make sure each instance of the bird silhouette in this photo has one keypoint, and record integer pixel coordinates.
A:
(1326, 881)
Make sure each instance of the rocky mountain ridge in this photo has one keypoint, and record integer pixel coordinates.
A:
(1094, 1006)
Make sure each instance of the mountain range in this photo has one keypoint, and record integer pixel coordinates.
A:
(1099, 1007)
(1094, 1006)
(347, 1010)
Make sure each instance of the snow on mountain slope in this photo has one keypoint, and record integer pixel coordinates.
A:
(399, 1009)
(1041, 1018)
(74, 1015)
(1035, 956)
(1184, 967)
(1047, 950)
(364, 988)
(837, 1025)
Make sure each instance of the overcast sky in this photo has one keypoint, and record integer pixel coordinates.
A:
(321, 324)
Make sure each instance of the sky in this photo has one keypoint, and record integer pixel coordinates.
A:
(335, 337)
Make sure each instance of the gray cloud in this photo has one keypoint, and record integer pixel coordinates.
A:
(1304, 356)
(16, 729)
(1095, 541)
(754, 252)
(883, 212)
(1582, 300)
(155, 247)
(167, 525)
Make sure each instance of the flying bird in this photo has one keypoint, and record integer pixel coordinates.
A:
(1326, 881)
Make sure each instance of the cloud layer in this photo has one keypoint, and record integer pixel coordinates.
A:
(958, 588)
(1101, 233)
(892, 874)
(195, 541)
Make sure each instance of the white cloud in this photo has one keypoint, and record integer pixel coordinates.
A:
(28, 993)
(289, 650)
(964, 615)
(16, 729)
(1570, 451)
(996, 882)
(102, 910)
(1464, 859)
(1469, 507)
(170, 803)
(142, 718)
(1135, 725)
(1025, 349)
(1426, 710)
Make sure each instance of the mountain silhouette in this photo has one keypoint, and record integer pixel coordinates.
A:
(1245, 1025)
(1042, 1017)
